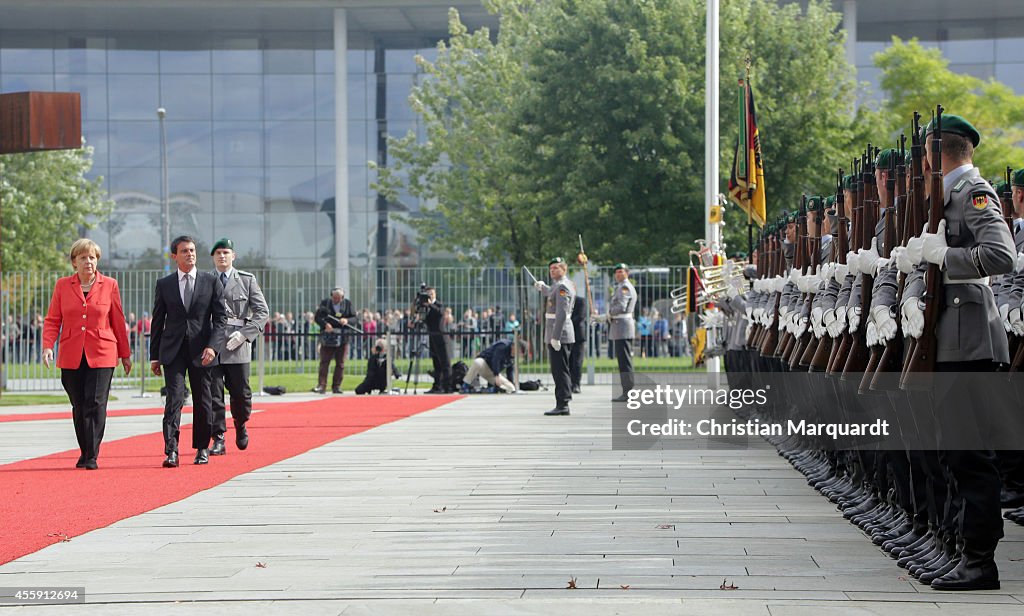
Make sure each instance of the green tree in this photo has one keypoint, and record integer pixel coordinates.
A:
(916, 78)
(45, 203)
(587, 117)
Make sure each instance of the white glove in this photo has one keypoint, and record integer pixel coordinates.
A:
(795, 276)
(778, 284)
(1020, 262)
(1004, 316)
(1016, 322)
(783, 311)
(759, 315)
(868, 256)
(827, 271)
(852, 318)
(853, 262)
(915, 248)
(818, 329)
(902, 257)
(816, 316)
(750, 313)
(913, 317)
(935, 246)
(840, 272)
(871, 334)
(832, 324)
(235, 340)
(800, 327)
(556, 345)
(885, 324)
(539, 285)
(731, 292)
(603, 318)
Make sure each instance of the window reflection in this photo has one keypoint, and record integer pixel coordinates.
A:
(237, 144)
(189, 144)
(93, 89)
(289, 97)
(290, 143)
(186, 97)
(238, 97)
(133, 97)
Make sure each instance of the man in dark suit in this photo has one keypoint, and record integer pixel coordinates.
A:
(188, 324)
(580, 325)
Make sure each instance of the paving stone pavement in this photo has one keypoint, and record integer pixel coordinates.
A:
(485, 506)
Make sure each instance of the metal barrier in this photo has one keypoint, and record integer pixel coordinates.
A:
(500, 301)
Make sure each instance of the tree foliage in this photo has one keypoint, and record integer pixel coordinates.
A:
(45, 204)
(587, 117)
(916, 78)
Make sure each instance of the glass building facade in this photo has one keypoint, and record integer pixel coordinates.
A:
(250, 126)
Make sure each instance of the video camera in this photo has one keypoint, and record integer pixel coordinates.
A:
(422, 301)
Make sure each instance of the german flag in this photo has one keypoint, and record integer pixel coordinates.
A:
(746, 181)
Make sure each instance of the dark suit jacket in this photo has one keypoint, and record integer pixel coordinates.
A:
(202, 326)
(326, 310)
(579, 318)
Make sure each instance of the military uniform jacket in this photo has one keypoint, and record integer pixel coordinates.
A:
(247, 312)
(621, 324)
(1008, 290)
(980, 245)
(561, 296)
(735, 328)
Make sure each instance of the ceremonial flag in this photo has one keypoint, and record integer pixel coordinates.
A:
(746, 181)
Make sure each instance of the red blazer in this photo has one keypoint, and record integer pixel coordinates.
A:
(94, 324)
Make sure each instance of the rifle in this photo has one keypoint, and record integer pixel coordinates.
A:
(823, 353)
(1006, 201)
(891, 360)
(803, 350)
(839, 351)
(921, 365)
(857, 361)
(799, 264)
(888, 240)
(771, 335)
(762, 266)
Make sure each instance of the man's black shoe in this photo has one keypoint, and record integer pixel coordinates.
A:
(622, 398)
(1011, 499)
(576, 389)
(319, 390)
(202, 456)
(172, 460)
(558, 411)
(241, 436)
(218, 448)
(90, 465)
(336, 390)
(81, 461)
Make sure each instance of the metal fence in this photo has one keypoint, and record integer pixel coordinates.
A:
(484, 303)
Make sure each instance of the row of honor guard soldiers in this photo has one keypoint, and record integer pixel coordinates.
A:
(901, 291)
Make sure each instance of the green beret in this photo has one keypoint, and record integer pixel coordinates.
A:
(620, 266)
(556, 260)
(223, 243)
(1000, 186)
(883, 158)
(740, 255)
(958, 126)
(848, 181)
(830, 201)
(814, 203)
(1017, 179)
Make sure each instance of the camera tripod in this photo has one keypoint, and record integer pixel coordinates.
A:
(417, 344)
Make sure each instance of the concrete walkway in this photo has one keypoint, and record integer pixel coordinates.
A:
(484, 506)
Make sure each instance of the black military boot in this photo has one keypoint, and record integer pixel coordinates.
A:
(975, 571)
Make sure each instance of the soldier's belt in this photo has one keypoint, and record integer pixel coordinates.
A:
(236, 322)
(622, 316)
(550, 315)
(981, 281)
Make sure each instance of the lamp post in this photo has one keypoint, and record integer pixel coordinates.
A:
(165, 206)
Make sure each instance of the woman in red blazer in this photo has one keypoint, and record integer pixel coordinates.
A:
(86, 312)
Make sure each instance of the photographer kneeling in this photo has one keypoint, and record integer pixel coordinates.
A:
(434, 318)
(490, 364)
(377, 370)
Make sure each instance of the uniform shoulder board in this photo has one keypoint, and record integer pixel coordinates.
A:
(244, 273)
(959, 185)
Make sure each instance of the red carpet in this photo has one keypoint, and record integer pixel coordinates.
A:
(46, 498)
(67, 414)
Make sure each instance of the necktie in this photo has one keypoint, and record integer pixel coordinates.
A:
(188, 292)
(224, 279)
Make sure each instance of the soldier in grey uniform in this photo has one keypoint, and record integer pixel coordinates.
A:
(622, 327)
(972, 243)
(558, 331)
(247, 314)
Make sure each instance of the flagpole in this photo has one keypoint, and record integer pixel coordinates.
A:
(711, 231)
(750, 210)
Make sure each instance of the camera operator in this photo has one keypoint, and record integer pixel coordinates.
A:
(432, 312)
(491, 363)
(332, 316)
(377, 370)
